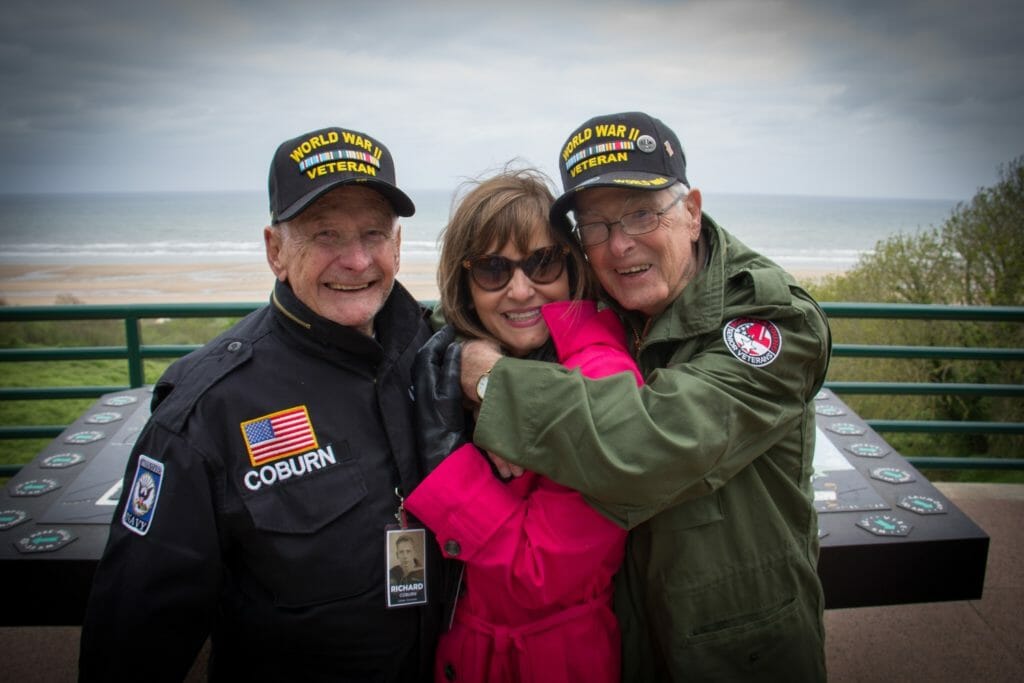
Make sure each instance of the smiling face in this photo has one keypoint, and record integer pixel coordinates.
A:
(512, 313)
(643, 272)
(340, 255)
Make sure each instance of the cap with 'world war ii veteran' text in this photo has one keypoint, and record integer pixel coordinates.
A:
(309, 165)
(631, 150)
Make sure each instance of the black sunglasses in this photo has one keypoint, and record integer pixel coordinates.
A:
(492, 272)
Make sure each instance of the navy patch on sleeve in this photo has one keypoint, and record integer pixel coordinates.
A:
(143, 496)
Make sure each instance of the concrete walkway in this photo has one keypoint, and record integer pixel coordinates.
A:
(976, 640)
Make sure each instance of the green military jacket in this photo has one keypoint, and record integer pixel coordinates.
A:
(708, 464)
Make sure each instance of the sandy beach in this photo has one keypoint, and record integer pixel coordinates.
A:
(146, 283)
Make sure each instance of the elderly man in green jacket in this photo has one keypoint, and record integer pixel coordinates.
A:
(709, 463)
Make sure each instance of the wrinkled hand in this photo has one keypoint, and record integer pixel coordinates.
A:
(440, 420)
(478, 357)
(504, 469)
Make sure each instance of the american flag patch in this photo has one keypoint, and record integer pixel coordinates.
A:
(278, 435)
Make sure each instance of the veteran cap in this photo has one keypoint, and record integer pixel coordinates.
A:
(309, 165)
(630, 150)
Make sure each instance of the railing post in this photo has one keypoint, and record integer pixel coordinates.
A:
(133, 341)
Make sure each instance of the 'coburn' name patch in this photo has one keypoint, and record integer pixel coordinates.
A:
(756, 342)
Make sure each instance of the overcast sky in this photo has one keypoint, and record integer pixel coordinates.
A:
(923, 98)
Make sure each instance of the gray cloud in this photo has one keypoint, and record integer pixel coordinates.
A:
(890, 99)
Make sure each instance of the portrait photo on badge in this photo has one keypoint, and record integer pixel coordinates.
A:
(407, 571)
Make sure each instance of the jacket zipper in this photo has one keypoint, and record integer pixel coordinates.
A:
(638, 337)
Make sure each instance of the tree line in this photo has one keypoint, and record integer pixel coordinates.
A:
(975, 258)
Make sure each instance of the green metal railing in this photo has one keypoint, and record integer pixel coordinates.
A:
(134, 352)
(1012, 314)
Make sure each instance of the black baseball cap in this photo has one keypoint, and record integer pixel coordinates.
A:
(309, 165)
(630, 150)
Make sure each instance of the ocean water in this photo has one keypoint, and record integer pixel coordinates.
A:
(800, 233)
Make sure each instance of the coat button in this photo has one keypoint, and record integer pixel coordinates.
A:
(452, 547)
(234, 346)
(449, 672)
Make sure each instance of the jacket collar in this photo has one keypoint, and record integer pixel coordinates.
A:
(392, 324)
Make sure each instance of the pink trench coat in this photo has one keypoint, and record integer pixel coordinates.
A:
(538, 560)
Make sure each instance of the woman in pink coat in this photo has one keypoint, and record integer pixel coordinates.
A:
(539, 561)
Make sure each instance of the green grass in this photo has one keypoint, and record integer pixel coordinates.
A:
(75, 373)
(200, 330)
(57, 412)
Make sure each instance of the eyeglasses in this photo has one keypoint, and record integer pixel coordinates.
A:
(633, 223)
(492, 272)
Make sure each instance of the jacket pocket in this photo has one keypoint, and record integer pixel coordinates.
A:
(305, 503)
(775, 644)
(311, 537)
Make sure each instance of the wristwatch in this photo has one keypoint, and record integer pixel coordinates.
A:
(481, 385)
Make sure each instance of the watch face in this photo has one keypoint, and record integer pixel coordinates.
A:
(481, 386)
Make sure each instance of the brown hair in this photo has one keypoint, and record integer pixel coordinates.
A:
(495, 211)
